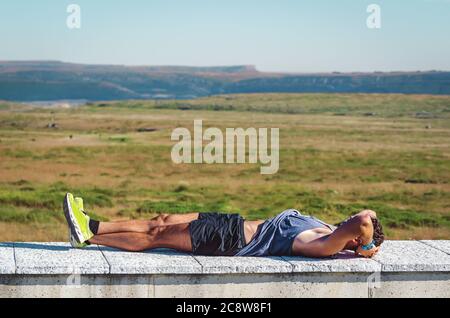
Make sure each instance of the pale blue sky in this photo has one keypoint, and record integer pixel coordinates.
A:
(274, 35)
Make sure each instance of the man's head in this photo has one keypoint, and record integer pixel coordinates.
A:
(378, 235)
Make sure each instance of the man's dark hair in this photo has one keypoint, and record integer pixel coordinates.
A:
(378, 235)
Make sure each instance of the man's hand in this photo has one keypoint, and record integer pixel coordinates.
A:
(367, 254)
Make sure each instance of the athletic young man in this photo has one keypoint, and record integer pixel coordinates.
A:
(214, 234)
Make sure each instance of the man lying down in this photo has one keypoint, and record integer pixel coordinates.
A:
(213, 234)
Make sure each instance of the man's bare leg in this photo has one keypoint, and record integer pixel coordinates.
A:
(145, 226)
(173, 236)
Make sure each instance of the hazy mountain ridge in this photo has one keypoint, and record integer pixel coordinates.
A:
(53, 80)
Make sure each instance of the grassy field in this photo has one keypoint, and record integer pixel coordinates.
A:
(338, 154)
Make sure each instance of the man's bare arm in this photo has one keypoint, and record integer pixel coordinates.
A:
(360, 226)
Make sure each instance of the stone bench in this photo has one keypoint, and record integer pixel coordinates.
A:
(402, 268)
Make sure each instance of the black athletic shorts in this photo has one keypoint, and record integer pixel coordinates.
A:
(216, 234)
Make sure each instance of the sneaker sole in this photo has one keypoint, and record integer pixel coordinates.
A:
(72, 239)
(70, 218)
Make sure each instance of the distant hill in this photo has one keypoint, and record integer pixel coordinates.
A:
(52, 80)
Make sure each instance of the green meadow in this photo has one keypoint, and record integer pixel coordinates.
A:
(339, 154)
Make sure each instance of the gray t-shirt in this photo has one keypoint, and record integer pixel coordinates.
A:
(276, 236)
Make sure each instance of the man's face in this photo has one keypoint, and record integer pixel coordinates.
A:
(352, 245)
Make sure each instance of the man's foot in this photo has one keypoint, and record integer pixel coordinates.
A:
(72, 240)
(77, 220)
(75, 244)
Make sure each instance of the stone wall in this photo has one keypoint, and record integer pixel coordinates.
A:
(402, 269)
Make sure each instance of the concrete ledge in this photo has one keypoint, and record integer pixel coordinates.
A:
(402, 269)
(443, 246)
(155, 262)
(58, 258)
(7, 261)
(410, 256)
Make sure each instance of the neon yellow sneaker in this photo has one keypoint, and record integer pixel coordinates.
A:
(80, 203)
(72, 240)
(78, 221)
(75, 244)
